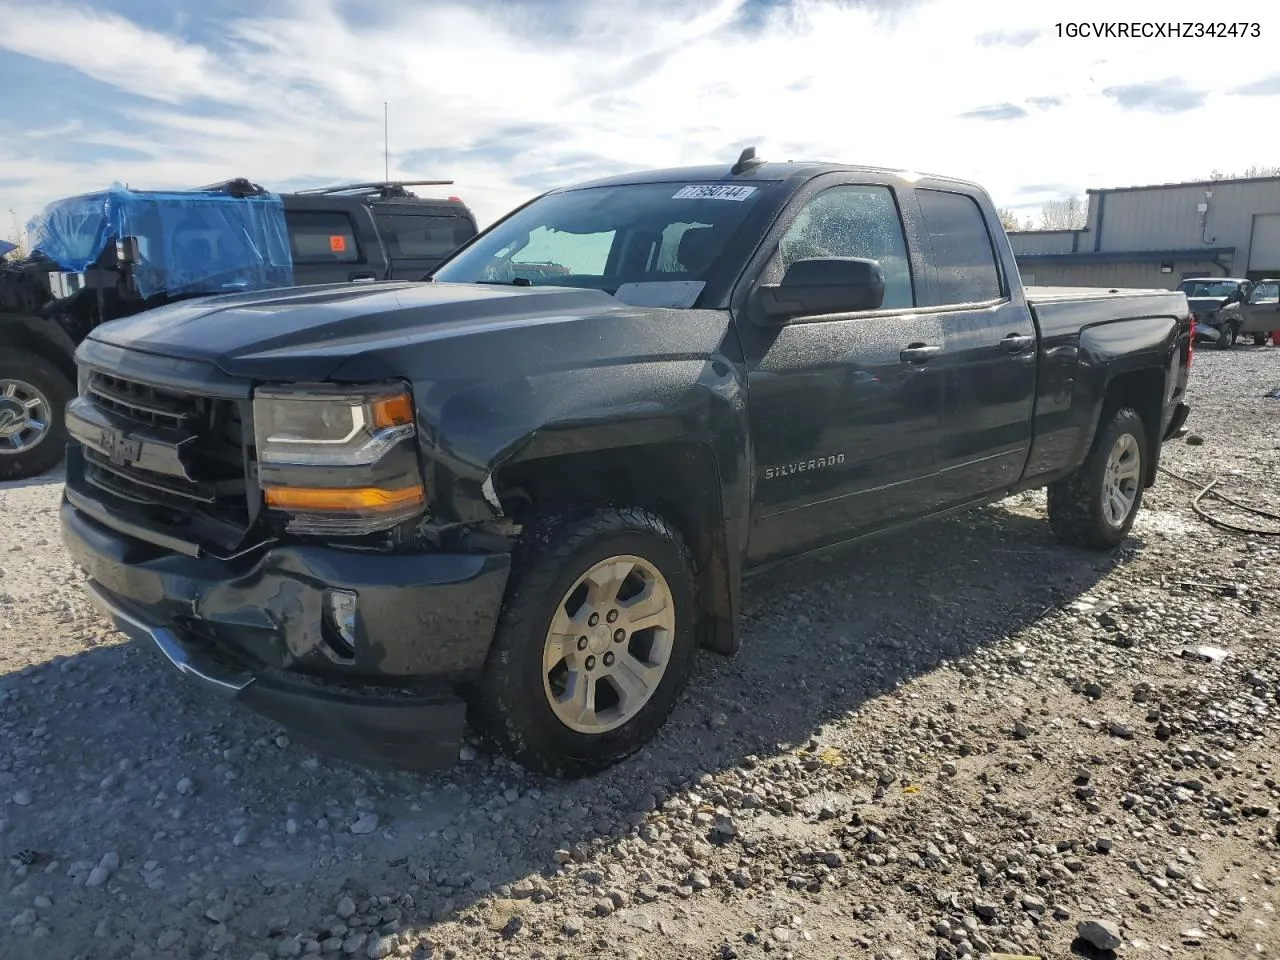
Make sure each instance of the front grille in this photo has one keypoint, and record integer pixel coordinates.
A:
(147, 404)
(203, 486)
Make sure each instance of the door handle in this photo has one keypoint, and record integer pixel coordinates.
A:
(918, 353)
(1017, 342)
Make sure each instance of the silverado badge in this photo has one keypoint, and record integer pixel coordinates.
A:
(803, 466)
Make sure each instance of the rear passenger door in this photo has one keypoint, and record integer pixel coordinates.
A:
(416, 243)
(327, 249)
(988, 363)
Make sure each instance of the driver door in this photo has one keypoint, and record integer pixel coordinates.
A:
(845, 416)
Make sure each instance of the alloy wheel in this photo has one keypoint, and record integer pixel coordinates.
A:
(1120, 479)
(25, 415)
(608, 645)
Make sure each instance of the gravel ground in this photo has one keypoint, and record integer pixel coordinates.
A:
(961, 741)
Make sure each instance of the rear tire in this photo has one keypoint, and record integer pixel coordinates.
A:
(1259, 339)
(572, 707)
(32, 392)
(1227, 337)
(1096, 505)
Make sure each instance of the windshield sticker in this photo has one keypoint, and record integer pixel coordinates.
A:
(713, 191)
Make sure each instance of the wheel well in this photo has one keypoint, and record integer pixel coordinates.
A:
(1143, 391)
(16, 336)
(679, 481)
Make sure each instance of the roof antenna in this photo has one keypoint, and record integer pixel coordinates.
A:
(746, 161)
(386, 145)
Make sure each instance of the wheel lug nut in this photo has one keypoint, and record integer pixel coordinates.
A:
(582, 643)
(593, 619)
(613, 616)
(619, 636)
(591, 663)
(608, 659)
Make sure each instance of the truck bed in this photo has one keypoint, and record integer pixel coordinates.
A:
(1069, 310)
(1048, 294)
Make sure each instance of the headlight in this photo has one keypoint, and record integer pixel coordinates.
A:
(333, 430)
(335, 462)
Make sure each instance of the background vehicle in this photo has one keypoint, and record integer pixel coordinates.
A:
(1216, 303)
(1261, 314)
(528, 499)
(224, 237)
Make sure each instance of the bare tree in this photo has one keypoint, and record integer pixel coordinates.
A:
(1008, 219)
(1068, 214)
(16, 236)
(1252, 171)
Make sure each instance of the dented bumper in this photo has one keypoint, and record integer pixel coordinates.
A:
(359, 654)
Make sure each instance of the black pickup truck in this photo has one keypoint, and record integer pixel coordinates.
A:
(525, 493)
(183, 243)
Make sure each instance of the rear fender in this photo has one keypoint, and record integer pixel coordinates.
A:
(1132, 362)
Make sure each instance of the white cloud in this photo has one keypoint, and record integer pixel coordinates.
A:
(299, 94)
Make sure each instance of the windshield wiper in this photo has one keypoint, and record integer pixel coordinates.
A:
(516, 282)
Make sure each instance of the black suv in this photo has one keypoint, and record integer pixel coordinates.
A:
(103, 256)
(388, 232)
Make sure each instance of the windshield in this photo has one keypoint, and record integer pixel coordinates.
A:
(1208, 288)
(607, 238)
(71, 231)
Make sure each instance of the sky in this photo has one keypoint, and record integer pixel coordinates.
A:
(512, 97)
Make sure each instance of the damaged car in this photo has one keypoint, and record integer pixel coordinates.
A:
(524, 495)
(1217, 303)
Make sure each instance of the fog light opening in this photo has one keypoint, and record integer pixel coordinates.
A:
(339, 627)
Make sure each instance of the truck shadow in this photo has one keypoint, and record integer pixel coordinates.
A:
(821, 639)
(48, 478)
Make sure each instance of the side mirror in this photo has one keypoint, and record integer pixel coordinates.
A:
(128, 251)
(824, 285)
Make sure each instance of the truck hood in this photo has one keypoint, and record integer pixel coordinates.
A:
(315, 329)
(1205, 304)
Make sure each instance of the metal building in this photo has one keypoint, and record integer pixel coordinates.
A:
(1157, 236)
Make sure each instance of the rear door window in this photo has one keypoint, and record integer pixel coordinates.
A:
(321, 237)
(961, 246)
(423, 237)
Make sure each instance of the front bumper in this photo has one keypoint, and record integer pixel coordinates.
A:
(257, 631)
(1208, 328)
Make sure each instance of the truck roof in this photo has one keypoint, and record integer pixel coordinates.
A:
(759, 171)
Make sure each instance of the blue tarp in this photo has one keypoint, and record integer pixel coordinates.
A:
(191, 241)
(5, 247)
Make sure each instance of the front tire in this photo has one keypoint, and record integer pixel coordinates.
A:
(1227, 337)
(1096, 505)
(1259, 339)
(594, 645)
(33, 429)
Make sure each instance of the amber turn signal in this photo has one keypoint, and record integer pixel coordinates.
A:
(393, 411)
(337, 499)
